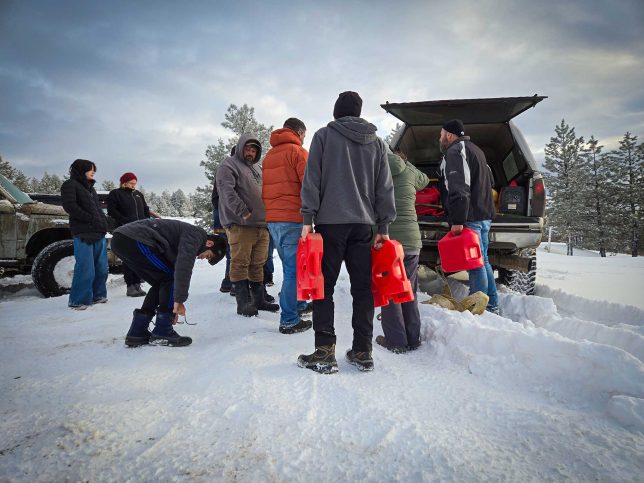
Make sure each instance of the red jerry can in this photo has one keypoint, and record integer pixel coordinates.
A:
(310, 281)
(460, 252)
(388, 277)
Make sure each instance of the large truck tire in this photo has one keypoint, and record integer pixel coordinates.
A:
(53, 269)
(520, 282)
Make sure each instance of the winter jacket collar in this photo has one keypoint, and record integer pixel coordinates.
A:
(458, 140)
(285, 136)
(356, 129)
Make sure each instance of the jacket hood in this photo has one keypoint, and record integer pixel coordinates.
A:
(284, 136)
(356, 129)
(396, 164)
(77, 172)
(239, 151)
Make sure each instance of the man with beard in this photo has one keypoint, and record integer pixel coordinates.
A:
(467, 197)
(242, 214)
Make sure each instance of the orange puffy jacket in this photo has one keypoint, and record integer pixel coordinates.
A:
(283, 171)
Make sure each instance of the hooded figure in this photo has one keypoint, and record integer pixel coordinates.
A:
(242, 214)
(347, 191)
(88, 226)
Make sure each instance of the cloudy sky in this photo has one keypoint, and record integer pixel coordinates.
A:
(143, 85)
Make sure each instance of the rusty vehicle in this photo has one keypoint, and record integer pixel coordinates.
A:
(35, 239)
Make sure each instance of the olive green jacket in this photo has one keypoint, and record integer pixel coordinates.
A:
(407, 181)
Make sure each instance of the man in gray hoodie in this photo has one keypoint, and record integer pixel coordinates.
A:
(347, 191)
(242, 214)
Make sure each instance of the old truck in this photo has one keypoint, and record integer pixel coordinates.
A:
(35, 238)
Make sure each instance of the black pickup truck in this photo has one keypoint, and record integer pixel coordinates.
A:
(517, 229)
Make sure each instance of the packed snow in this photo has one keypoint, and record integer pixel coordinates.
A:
(552, 389)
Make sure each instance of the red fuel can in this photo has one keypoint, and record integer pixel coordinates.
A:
(310, 281)
(460, 252)
(388, 277)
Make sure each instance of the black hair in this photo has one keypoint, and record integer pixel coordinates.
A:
(82, 166)
(295, 124)
(219, 247)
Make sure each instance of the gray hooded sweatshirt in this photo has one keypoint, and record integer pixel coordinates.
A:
(179, 242)
(347, 177)
(239, 184)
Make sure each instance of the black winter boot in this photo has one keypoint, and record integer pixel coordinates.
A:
(322, 360)
(244, 305)
(257, 296)
(139, 333)
(268, 297)
(164, 334)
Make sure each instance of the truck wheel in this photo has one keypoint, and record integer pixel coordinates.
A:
(521, 282)
(53, 269)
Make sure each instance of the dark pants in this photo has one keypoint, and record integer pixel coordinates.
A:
(150, 265)
(216, 224)
(130, 277)
(352, 244)
(401, 322)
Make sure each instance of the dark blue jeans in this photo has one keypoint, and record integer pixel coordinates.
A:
(482, 279)
(216, 224)
(90, 272)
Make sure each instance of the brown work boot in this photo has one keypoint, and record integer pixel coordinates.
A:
(322, 360)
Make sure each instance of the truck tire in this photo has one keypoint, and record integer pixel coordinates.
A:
(53, 269)
(521, 282)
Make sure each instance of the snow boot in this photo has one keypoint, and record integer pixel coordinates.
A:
(301, 326)
(268, 297)
(362, 360)
(322, 360)
(139, 334)
(306, 309)
(257, 297)
(226, 285)
(396, 349)
(134, 290)
(164, 334)
(244, 305)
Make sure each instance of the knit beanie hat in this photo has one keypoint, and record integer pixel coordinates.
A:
(349, 103)
(455, 126)
(127, 177)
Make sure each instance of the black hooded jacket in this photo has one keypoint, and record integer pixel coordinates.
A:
(80, 200)
(467, 183)
(126, 205)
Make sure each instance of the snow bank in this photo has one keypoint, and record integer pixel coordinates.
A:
(535, 359)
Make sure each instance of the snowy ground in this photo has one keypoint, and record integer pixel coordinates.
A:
(552, 390)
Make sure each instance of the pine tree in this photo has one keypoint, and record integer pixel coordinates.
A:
(239, 120)
(14, 175)
(165, 205)
(179, 202)
(7, 170)
(630, 180)
(597, 196)
(108, 185)
(49, 183)
(564, 179)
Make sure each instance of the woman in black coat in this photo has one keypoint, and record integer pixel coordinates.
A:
(126, 204)
(88, 225)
